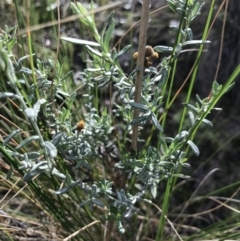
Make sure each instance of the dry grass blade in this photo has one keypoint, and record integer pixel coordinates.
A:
(80, 230)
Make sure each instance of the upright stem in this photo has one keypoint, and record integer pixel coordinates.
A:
(140, 65)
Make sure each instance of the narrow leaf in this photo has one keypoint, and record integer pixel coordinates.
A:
(26, 141)
(139, 119)
(154, 191)
(193, 147)
(196, 42)
(161, 48)
(108, 31)
(80, 41)
(94, 51)
(191, 107)
(10, 136)
(168, 139)
(123, 51)
(164, 77)
(156, 123)
(103, 84)
(192, 118)
(181, 176)
(52, 150)
(208, 122)
(139, 106)
(8, 95)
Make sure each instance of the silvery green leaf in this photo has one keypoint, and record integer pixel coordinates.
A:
(98, 78)
(185, 164)
(103, 84)
(164, 77)
(168, 139)
(65, 189)
(139, 119)
(131, 92)
(199, 99)
(196, 42)
(196, 10)
(80, 41)
(57, 138)
(193, 147)
(9, 95)
(107, 73)
(139, 106)
(26, 141)
(60, 175)
(94, 51)
(26, 70)
(192, 117)
(132, 74)
(156, 123)
(181, 176)
(120, 227)
(163, 146)
(23, 58)
(157, 78)
(172, 5)
(177, 145)
(179, 11)
(35, 170)
(94, 70)
(30, 174)
(124, 83)
(33, 155)
(189, 33)
(208, 122)
(10, 136)
(151, 70)
(107, 31)
(52, 150)
(63, 93)
(154, 191)
(191, 107)
(178, 47)
(123, 51)
(25, 165)
(161, 48)
(42, 165)
(128, 214)
(62, 191)
(181, 135)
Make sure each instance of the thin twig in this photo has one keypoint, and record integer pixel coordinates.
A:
(140, 65)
